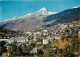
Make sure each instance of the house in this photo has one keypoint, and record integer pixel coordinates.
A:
(28, 33)
(63, 26)
(35, 38)
(71, 25)
(26, 44)
(8, 47)
(45, 41)
(79, 32)
(45, 30)
(35, 50)
(19, 39)
(29, 42)
(54, 48)
(38, 33)
(45, 33)
(49, 39)
(4, 55)
(76, 53)
(57, 37)
(38, 43)
(30, 38)
(26, 39)
(4, 40)
(34, 33)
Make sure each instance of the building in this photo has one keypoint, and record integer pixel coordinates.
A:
(45, 41)
(19, 39)
(4, 55)
(35, 38)
(38, 43)
(28, 33)
(57, 37)
(38, 33)
(71, 25)
(3, 40)
(63, 26)
(35, 50)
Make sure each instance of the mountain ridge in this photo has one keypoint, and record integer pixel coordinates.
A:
(42, 11)
(37, 20)
(72, 14)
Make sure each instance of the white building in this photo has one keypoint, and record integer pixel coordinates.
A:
(35, 38)
(38, 43)
(79, 32)
(45, 30)
(63, 26)
(57, 37)
(34, 33)
(38, 33)
(35, 50)
(4, 40)
(45, 41)
(71, 25)
(18, 39)
(28, 33)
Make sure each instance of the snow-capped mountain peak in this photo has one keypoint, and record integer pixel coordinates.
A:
(44, 11)
(41, 12)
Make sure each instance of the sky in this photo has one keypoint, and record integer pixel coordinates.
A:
(12, 8)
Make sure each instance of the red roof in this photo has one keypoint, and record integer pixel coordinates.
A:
(4, 54)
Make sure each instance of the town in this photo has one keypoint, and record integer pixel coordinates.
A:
(61, 40)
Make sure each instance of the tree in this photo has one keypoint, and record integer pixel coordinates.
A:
(40, 52)
(2, 43)
(19, 50)
(14, 49)
(68, 53)
(2, 47)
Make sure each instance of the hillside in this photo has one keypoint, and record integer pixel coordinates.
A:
(42, 18)
(30, 21)
(65, 16)
(4, 33)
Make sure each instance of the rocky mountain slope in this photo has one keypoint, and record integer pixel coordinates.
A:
(30, 21)
(41, 18)
(65, 16)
